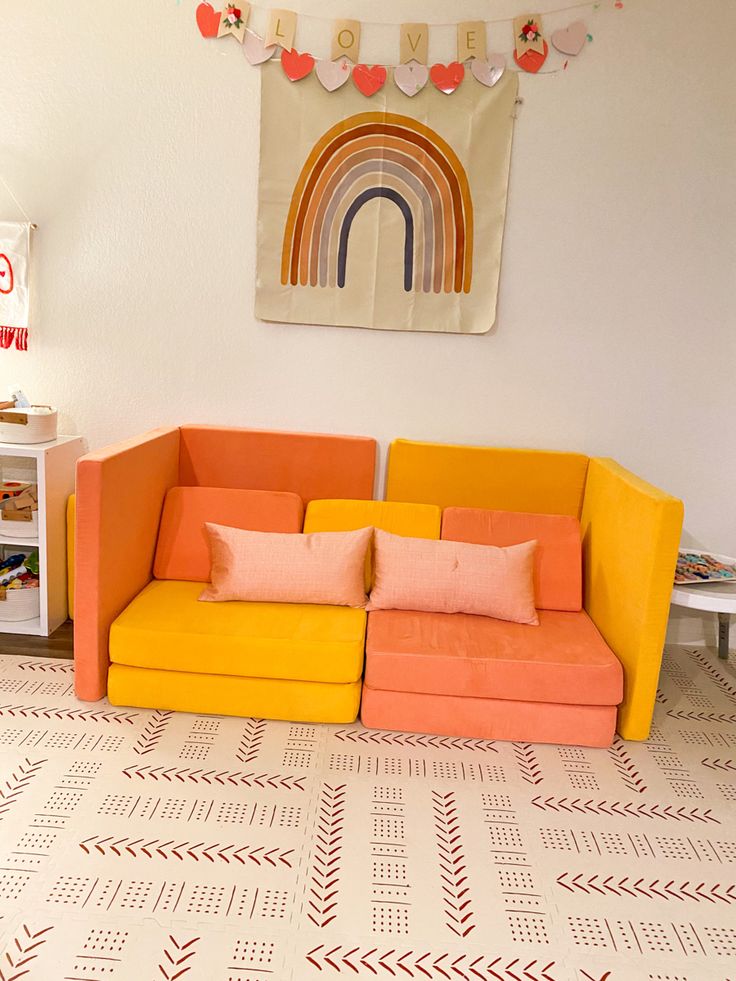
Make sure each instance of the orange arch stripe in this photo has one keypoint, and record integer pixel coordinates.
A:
(379, 129)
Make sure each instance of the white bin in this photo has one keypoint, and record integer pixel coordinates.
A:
(18, 529)
(20, 604)
(37, 424)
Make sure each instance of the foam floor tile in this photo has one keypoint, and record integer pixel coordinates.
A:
(149, 845)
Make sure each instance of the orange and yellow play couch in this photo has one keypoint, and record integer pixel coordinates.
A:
(142, 637)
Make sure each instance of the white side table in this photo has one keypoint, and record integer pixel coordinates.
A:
(714, 597)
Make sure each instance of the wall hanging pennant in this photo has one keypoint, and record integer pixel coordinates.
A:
(15, 248)
(529, 47)
(382, 212)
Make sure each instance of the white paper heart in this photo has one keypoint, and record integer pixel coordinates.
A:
(255, 50)
(333, 74)
(571, 40)
(411, 77)
(488, 70)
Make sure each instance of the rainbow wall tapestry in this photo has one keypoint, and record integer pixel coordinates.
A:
(369, 217)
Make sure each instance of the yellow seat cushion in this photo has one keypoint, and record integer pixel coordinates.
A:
(217, 694)
(167, 628)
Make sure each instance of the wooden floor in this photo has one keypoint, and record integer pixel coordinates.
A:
(59, 644)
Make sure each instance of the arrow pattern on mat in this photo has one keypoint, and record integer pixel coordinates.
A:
(324, 882)
(379, 738)
(222, 778)
(11, 789)
(643, 889)
(75, 715)
(176, 954)
(725, 765)
(456, 896)
(625, 766)
(182, 850)
(428, 966)
(20, 953)
(663, 812)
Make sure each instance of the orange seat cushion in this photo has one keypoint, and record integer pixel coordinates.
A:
(558, 572)
(489, 718)
(182, 551)
(563, 660)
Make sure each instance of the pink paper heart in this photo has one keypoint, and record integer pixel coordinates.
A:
(411, 77)
(255, 50)
(488, 70)
(571, 40)
(333, 74)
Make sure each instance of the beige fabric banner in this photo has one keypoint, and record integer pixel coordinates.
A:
(374, 212)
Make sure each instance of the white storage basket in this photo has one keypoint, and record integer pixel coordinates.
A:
(18, 529)
(20, 604)
(37, 424)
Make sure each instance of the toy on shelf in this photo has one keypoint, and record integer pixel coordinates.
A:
(18, 500)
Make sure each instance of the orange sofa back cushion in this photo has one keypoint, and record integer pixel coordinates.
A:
(182, 551)
(558, 578)
(308, 464)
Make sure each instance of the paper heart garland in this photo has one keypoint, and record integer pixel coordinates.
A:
(411, 77)
(208, 20)
(571, 40)
(488, 70)
(531, 61)
(333, 74)
(296, 65)
(255, 50)
(369, 79)
(447, 77)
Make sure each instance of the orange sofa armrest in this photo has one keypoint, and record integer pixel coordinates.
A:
(119, 496)
(631, 533)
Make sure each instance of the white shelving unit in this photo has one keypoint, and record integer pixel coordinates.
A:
(55, 465)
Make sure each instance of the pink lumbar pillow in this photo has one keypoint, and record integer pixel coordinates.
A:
(454, 577)
(264, 567)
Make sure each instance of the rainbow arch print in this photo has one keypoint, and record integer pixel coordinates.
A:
(392, 157)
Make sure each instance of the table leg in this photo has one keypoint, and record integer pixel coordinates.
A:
(724, 623)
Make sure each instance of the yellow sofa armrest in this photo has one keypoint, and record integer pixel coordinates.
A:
(119, 496)
(631, 533)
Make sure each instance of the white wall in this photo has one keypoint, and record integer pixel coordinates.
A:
(133, 143)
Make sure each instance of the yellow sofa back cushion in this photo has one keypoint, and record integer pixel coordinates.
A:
(410, 520)
(631, 532)
(536, 481)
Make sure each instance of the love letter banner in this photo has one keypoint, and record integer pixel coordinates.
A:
(387, 214)
(15, 241)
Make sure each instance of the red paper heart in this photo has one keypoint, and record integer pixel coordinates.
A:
(296, 65)
(369, 80)
(447, 77)
(2, 273)
(208, 20)
(531, 61)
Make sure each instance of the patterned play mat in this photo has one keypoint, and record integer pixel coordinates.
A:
(152, 845)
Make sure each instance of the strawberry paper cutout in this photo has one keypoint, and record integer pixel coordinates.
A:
(411, 77)
(369, 79)
(447, 77)
(296, 65)
(208, 20)
(531, 61)
(530, 48)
